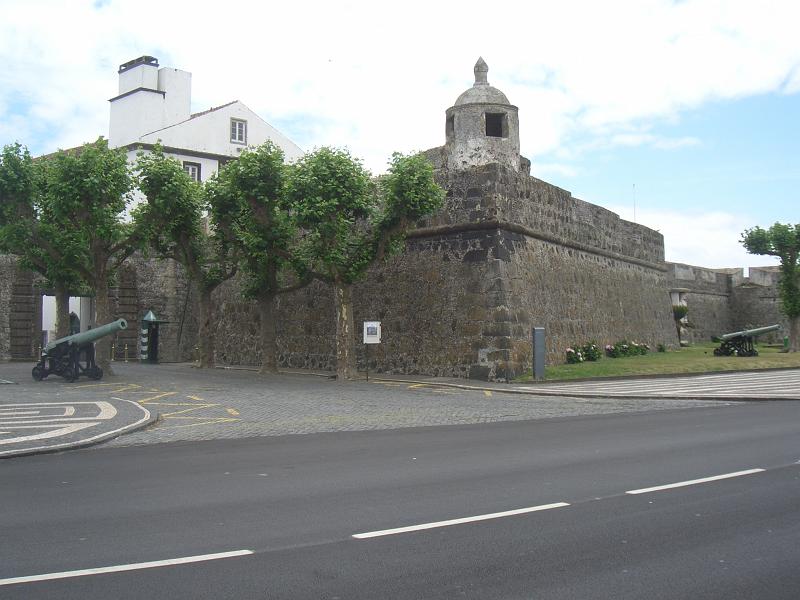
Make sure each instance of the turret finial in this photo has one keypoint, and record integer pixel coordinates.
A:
(481, 69)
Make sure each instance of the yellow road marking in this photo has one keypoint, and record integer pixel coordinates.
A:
(126, 387)
(417, 385)
(487, 393)
(209, 419)
(233, 411)
(185, 410)
(88, 385)
(180, 404)
(156, 397)
(211, 422)
(195, 398)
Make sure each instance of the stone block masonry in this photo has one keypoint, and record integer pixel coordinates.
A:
(506, 253)
(724, 300)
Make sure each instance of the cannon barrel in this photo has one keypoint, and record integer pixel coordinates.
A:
(749, 332)
(86, 337)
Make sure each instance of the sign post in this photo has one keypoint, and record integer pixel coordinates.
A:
(372, 335)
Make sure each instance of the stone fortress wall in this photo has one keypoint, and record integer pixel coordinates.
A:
(724, 300)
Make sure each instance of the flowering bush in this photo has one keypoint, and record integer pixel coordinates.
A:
(574, 356)
(580, 353)
(626, 348)
(591, 351)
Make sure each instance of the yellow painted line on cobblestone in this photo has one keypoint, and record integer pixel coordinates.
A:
(156, 397)
(126, 387)
(210, 422)
(198, 398)
(180, 404)
(487, 393)
(185, 410)
(417, 385)
(222, 419)
(233, 411)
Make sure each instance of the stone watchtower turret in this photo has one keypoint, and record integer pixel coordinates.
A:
(482, 127)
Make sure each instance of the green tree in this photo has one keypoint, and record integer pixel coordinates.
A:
(30, 230)
(264, 230)
(349, 222)
(86, 191)
(783, 241)
(192, 224)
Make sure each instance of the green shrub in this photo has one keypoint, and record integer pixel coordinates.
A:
(626, 348)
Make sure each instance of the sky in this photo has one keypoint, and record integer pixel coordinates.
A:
(683, 116)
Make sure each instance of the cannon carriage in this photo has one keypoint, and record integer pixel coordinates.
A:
(73, 356)
(740, 343)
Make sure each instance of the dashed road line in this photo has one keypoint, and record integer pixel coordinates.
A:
(129, 567)
(670, 486)
(436, 524)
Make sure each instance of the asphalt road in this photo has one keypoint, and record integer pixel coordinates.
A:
(295, 503)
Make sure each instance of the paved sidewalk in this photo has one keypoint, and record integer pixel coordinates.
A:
(751, 385)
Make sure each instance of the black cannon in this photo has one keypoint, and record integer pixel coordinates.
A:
(740, 343)
(73, 356)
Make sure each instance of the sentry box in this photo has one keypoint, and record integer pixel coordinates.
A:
(372, 332)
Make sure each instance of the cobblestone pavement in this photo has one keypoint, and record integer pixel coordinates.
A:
(197, 404)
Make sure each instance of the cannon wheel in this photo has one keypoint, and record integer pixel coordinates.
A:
(95, 373)
(38, 373)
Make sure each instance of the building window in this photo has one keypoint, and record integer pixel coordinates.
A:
(496, 125)
(238, 131)
(193, 169)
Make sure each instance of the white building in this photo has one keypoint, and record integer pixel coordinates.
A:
(154, 105)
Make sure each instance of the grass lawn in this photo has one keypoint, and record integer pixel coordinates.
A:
(695, 359)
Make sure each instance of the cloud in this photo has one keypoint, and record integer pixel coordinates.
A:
(702, 238)
(379, 79)
(647, 139)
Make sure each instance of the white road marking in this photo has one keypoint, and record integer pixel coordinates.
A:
(107, 434)
(130, 567)
(669, 486)
(497, 515)
(55, 431)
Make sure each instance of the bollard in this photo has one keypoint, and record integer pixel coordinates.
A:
(126, 352)
(113, 351)
(538, 352)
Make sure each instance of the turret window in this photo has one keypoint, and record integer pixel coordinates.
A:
(496, 125)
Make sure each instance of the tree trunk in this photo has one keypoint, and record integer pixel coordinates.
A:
(102, 307)
(345, 340)
(794, 334)
(269, 338)
(205, 332)
(62, 311)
